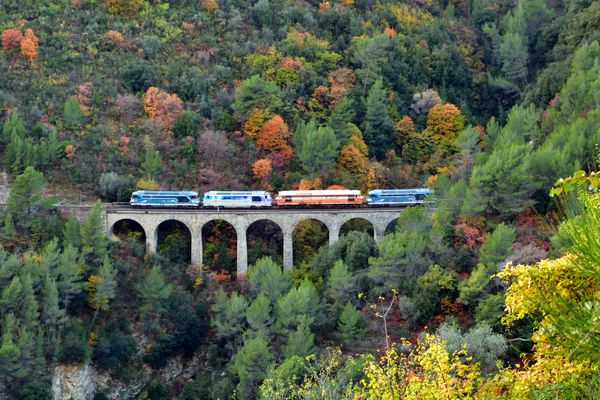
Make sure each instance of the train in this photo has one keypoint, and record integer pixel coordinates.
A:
(283, 199)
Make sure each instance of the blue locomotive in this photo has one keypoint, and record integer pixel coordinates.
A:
(381, 197)
(164, 198)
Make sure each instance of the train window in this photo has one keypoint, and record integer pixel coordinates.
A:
(183, 199)
(256, 198)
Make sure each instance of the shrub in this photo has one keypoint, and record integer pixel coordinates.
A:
(74, 348)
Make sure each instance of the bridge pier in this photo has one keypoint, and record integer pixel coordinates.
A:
(196, 257)
(288, 250)
(242, 252)
(379, 231)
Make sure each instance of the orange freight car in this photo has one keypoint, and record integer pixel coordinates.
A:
(318, 197)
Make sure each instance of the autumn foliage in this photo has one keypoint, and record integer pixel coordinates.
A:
(162, 106)
(262, 169)
(310, 184)
(29, 45)
(11, 39)
(254, 122)
(274, 136)
(445, 122)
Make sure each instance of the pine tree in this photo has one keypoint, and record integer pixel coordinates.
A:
(266, 277)
(229, 318)
(379, 127)
(497, 245)
(28, 305)
(50, 258)
(26, 194)
(152, 164)
(341, 118)
(340, 286)
(316, 147)
(351, 324)
(299, 306)
(72, 114)
(71, 233)
(250, 364)
(155, 291)
(8, 229)
(102, 288)
(300, 342)
(11, 295)
(69, 277)
(52, 314)
(93, 240)
(259, 315)
(13, 126)
(10, 366)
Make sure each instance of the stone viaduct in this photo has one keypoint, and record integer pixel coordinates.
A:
(286, 219)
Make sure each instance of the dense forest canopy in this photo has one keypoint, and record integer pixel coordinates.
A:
(491, 291)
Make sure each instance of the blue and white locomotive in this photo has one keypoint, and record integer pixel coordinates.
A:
(237, 199)
(382, 197)
(164, 198)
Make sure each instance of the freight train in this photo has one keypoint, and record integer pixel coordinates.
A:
(284, 199)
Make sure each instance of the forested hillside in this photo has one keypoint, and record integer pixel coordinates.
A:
(490, 291)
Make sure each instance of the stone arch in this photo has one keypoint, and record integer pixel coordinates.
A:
(219, 245)
(126, 224)
(173, 240)
(307, 234)
(264, 238)
(358, 224)
(391, 226)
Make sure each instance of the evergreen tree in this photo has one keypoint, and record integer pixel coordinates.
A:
(13, 126)
(340, 120)
(11, 295)
(28, 305)
(155, 291)
(72, 114)
(152, 162)
(10, 365)
(102, 288)
(256, 93)
(52, 315)
(299, 306)
(229, 318)
(69, 279)
(71, 233)
(300, 342)
(266, 277)
(50, 258)
(250, 365)
(93, 240)
(379, 127)
(340, 286)
(26, 194)
(351, 324)
(497, 245)
(8, 229)
(316, 147)
(258, 314)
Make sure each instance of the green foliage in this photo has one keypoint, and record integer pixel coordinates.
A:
(340, 120)
(351, 324)
(300, 342)
(256, 93)
(185, 125)
(258, 314)
(250, 364)
(472, 287)
(152, 162)
(433, 286)
(316, 147)
(341, 286)
(497, 245)
(25, 195)
(268, 278)
(154, 290)
(74, 348)
(379, 128)
(229, 315)
(299, 306)
(93, 240)
(481, 342)
(114, 187)
(489, 310)
(72, 114)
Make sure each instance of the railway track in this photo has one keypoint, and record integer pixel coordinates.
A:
(127, 208)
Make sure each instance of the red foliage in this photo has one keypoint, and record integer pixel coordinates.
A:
(11, 39)
(262, 169)
(470, 231)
